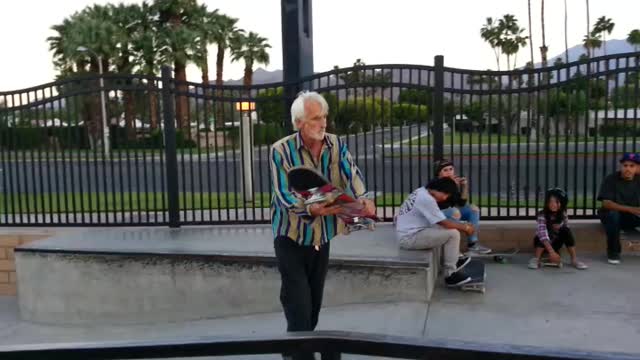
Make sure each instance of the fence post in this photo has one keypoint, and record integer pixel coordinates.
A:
(170, 152)
(438, 108)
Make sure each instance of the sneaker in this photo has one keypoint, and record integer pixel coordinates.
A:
(534, 263)
(457, 278)
(580, 265)
(614, 259)
(478, 249)
(462, 262)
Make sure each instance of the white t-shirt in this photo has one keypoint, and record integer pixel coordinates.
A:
(419, 211)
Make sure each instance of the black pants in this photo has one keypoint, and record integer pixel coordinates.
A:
(302, 270)
(563, 238)
(613, 222)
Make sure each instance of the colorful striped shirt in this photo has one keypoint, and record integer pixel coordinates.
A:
(289, 216)
(542, 229)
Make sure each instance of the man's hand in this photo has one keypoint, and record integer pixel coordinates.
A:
(461, 180)
(324, 209)
(369, 206)
(635, 211)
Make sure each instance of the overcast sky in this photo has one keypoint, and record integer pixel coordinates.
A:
(378, 31)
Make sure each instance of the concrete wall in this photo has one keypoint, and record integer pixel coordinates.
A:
(74, 289)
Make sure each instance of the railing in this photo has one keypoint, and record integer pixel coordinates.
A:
(331, 344)
(187, 153)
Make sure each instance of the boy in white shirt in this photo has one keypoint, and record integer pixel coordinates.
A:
(421, 225)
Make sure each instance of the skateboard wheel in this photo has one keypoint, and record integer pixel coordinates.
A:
(499, 259)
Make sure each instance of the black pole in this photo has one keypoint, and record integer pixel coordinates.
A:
(170, 151)
(438, 109)
(297, 47)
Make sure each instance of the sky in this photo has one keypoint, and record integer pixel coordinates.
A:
(376, 31)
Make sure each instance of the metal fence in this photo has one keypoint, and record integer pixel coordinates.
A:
(143, 150)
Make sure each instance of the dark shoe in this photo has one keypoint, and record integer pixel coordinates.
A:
(462, 262)
(457, 278)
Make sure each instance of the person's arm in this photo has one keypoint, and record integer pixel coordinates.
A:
(543, 234)
(614, 206)
(278, 167)
(353, 179)
(607, 196)
(463, 227)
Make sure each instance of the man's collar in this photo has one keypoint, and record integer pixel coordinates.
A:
(300, 141)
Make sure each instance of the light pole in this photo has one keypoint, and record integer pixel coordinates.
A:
(105, 127)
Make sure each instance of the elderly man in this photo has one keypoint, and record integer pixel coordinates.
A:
(620, 196)
(302, 233)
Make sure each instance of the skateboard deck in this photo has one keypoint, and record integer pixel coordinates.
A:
(475, 269)
(497, 256)
(313, 187)
(631, 239)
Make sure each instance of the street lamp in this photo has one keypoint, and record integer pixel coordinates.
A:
(105, 128)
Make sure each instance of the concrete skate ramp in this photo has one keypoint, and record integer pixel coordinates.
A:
(151, 275)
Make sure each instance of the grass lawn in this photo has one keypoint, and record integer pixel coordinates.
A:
(483, 138)
(94, 202)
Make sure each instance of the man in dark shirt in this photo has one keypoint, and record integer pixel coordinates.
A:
(620, 196)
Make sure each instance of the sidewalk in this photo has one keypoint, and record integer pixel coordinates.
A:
(596, 309)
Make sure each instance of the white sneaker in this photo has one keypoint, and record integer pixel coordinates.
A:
(534, 263)
(479, 249)
(613, 261)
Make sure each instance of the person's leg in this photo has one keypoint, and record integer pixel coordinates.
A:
(470, 213)
(452, 213)
(534, 263)
(317, 275)
(295, 292)
(611, 222)
(430, 238)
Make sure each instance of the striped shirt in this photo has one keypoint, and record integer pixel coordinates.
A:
(542, 228)
(289, 216)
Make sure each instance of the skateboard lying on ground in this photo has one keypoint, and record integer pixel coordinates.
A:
(498, 256)
(313, 187)
(475, 269)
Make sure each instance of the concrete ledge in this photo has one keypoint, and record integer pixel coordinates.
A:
(155, 275)
(589, 234)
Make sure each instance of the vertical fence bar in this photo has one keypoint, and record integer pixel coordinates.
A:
(170, 148)
(438, 108)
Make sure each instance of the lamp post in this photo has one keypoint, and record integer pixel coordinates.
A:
(105, 127)
(245, 108)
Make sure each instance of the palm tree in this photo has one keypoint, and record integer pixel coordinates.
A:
(543, 48)
(512, 39)
(145, 45)
(225, 30)
(566, 40)
(591, 42)
(603, 26)
(252, 49)
(176, 35)
(634, 39)
(126, 18)
(492, 34)
(205, 26)
(530, 34)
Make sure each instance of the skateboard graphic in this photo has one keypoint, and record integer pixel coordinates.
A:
(631, 239)
(497, 256)
(314, 188)
(475, 269)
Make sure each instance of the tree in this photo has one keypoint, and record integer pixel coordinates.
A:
(176, 34)
(251, 48)
(225, 30)
(603, 26)
(543, 49)
(566, 39)
(512, 39)
(491, 33)
(530, 34)
(145, 45)
(205, 25)
(591, 42)
(558, 62)
(634, 39)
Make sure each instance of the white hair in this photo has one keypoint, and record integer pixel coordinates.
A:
(297, 108)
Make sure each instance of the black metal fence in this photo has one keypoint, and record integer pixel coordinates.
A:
(331, 344)
(186, 153)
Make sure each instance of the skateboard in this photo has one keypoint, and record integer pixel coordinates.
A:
(476, 270)
(497, 256)
(631, 239)
(314, 188)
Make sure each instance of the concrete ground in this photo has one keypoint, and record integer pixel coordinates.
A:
(596, 309)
